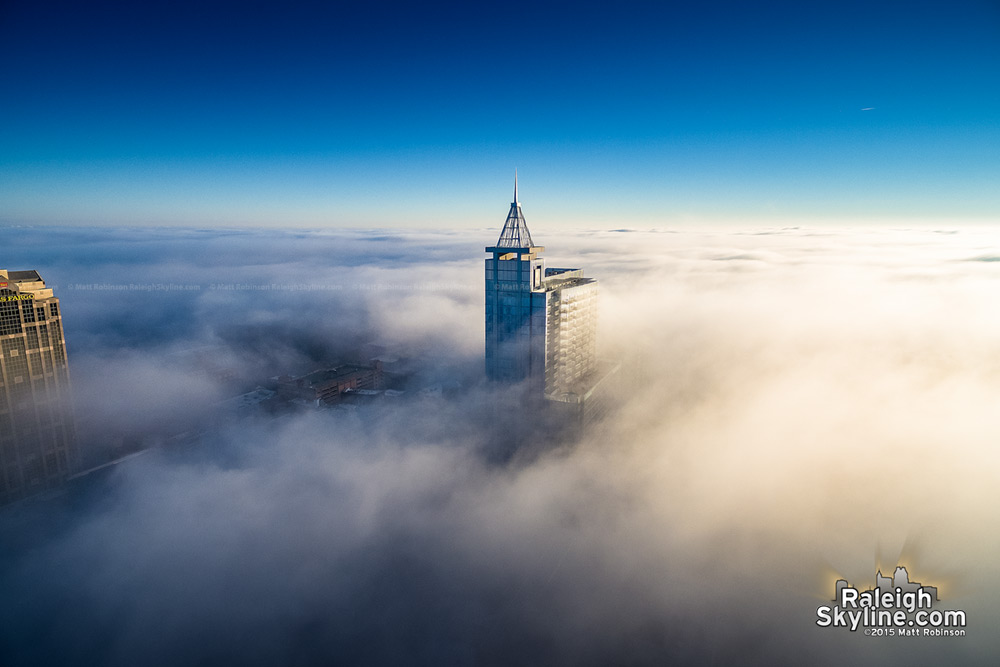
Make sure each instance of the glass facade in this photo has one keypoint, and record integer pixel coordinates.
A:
(515, 318)
(541, 324)
(571, 345)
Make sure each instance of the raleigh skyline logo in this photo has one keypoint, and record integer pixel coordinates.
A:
(896, 606)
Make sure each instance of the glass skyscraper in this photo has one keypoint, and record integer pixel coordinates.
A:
(541, 323)
(36, 428)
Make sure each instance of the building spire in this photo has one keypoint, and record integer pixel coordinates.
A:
(515, 232)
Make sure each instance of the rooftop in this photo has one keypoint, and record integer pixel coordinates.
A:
(566, 283)
(23, 276)
(319, 377)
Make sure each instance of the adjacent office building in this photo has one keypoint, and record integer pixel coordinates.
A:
(37, 448)
(541, 323)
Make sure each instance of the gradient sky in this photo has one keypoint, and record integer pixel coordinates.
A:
(383, 114)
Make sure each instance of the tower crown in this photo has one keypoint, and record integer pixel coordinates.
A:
(515, 232)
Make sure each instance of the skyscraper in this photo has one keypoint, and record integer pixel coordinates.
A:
(36, 428)
(541, 323)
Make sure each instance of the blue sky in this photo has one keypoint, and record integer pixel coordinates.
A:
(635, 114)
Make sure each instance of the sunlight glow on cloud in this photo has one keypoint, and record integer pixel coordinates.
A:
(798, 400)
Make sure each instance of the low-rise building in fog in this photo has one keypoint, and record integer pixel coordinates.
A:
(329, 386)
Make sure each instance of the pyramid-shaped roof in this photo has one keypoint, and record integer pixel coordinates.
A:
(515, 232)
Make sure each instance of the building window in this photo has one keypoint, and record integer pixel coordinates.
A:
(32, 337)
(10, 318)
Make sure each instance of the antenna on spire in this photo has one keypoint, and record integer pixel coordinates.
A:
(515, 185)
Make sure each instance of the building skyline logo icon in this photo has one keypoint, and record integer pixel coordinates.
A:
(895, 606)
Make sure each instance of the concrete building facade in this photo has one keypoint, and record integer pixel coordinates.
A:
(37, 447)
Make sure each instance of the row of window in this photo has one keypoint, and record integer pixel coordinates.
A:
(523, 301)
(10, 318)
(13, 314)
(33, 472)
(31, 314)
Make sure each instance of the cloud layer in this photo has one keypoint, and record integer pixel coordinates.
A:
(797, 405)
